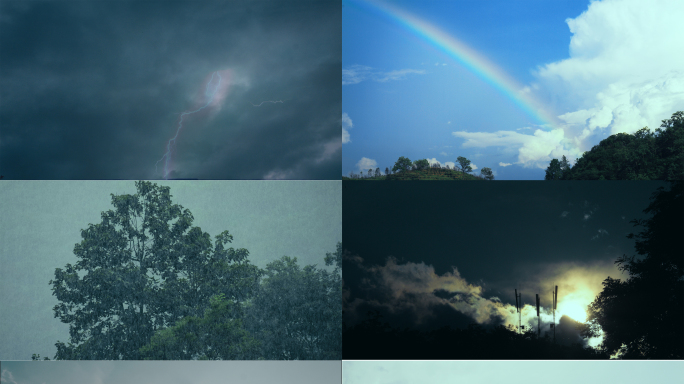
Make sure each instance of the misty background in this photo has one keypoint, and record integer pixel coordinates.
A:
(42, 224)
(172, 372)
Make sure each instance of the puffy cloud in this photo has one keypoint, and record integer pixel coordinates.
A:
(622, 73)
(346, 126)
(434, 161)
(416, 291)
(365, 164)
(533, 150)
(504, 164)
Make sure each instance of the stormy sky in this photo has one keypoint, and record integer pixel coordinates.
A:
(97, 89)
(511, 372)
(171, 372)
(427, 255)
(40, 227)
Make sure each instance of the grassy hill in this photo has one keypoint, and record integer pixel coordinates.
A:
(424, 174)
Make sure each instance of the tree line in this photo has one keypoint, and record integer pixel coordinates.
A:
(404, 164)
(644, 155)
(150, 285)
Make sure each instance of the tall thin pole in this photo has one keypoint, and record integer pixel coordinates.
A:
(538, 323)
(555, 304)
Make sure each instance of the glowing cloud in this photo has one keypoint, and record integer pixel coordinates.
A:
(215, 92)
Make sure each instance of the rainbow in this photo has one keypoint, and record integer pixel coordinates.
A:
(466, 56)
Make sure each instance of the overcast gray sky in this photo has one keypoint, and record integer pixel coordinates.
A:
(96, 89)
(42, 223)
(171, 372)
(510, 372)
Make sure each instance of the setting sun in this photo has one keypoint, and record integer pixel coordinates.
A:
(574, 309)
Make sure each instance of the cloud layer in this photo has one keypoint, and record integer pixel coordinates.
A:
(622, 74)
(95, 90)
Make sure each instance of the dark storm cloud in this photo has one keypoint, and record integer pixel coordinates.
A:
(465, 247)
(94, 90)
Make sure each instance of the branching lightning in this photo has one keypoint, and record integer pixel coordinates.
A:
(172, 141)
(268, 101)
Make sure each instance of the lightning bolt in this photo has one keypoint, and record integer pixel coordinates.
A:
(172, 141)
(268, 101)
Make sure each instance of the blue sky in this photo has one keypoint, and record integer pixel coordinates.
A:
(404, 96)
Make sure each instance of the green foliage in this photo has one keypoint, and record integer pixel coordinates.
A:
(402, 165)
(644, 155)
(487, 174)
(422, 164)
(642, 316)
(553, 172)
(218, 335)
(142, 269)
(432, 174)
(297, 313)
(464, 164)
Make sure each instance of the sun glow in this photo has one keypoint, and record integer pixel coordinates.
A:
(574, 309)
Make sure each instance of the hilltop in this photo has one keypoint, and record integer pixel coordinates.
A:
(423, 174)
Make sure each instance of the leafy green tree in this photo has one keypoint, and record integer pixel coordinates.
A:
(218, 335)
(377, 172)
(370, 172)
(565, 167)
(554, 171)
(297, 313)
(143, 268)
(487, 173)
(642, 316)
(402, 165)
(644, 155)
(464, 164)
(422, 164)
(387, 171)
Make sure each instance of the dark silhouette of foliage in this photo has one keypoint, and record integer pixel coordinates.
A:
(553, 172)
(403, 164)
(464, 164)
(375, 339)
(486, 173)
(422, 164)
(643, 316)
(644, 155)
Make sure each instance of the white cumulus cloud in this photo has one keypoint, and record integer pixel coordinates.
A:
(365, 164)
(346, 126)
(504, 164)
(533, 150)
(622, 73)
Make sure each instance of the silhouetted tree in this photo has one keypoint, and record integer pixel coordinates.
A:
(553, 172)
(402, 165)
(421, 164)
(377, 172)
(643, 316)
(487, 174)
(644, 155)
(464, 164)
